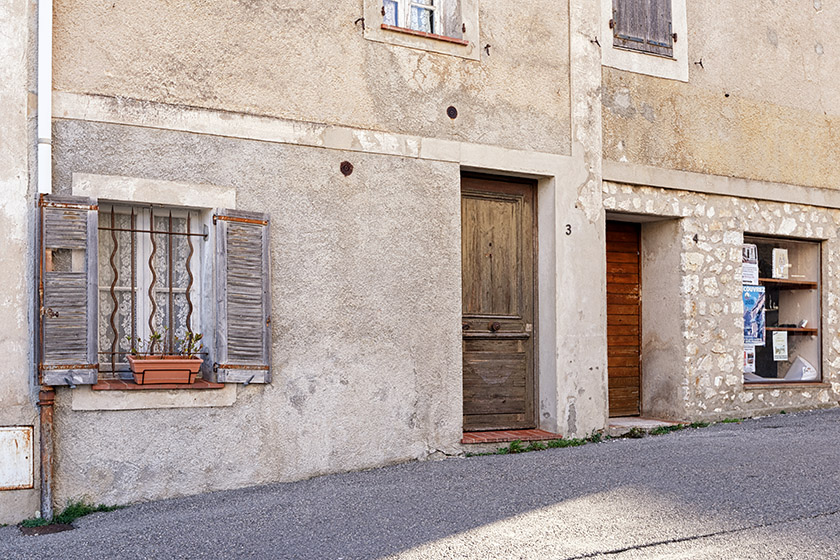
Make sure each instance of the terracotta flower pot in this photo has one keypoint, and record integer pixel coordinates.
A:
(148, 370)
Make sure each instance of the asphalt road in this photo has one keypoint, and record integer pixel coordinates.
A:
(766, 488)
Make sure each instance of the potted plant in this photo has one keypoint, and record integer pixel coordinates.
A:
(151, 367)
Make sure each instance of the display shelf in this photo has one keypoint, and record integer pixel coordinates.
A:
(786, 284)
(794, 330)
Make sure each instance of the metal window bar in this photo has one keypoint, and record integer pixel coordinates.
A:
(170, 233)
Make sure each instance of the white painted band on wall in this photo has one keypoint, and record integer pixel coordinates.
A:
(162, 116)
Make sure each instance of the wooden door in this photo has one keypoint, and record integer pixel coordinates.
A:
(623, 319)
(497, 257)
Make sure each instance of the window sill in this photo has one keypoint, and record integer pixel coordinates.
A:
(416, 33)
(786, 385)
(639, 51)
(127, 385)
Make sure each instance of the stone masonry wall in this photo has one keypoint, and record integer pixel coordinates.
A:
(711, 230)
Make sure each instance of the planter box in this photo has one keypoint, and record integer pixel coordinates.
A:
(164, 369)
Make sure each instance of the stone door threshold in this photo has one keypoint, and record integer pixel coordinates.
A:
(500, 436)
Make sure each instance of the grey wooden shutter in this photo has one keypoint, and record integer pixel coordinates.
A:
(243, 298)
(68, 291)
(643, 25)
(629, 23)
(450, 18)
(659, 38)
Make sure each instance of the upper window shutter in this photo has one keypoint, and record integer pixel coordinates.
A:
(659, 33)
(68, 290)
(243, 298)
(629, 23)
(451, 19)
(643, 25)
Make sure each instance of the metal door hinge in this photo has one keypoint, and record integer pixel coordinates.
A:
(612, 24)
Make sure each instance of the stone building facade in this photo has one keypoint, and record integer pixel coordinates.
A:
(350, 137)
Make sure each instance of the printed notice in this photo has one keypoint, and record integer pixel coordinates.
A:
(780, 263)
(749, 270)
(749, 359)
(780, 346)
(754, 315)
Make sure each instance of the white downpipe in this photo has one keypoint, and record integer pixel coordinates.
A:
(45, 29)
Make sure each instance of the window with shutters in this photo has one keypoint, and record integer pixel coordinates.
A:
(643, 25)
(647, 37)
(444, 26)
(113, 273)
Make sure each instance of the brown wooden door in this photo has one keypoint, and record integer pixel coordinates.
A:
(497, 256)
(623, 318)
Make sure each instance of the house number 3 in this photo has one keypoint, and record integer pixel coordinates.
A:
(568, 229)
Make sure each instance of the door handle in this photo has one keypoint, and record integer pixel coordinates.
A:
(494, 326)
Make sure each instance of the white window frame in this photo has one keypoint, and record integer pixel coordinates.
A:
(675, 68)
(404, 8)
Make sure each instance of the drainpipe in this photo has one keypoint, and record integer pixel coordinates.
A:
(46, 400)
(45, 14)
(46, 396)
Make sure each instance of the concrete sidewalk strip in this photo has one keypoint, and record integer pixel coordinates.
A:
(762, 488)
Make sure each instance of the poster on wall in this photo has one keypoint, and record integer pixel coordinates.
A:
(749, 270)
(749, 358)
(780, 263)
(780, 346)
(754, 315)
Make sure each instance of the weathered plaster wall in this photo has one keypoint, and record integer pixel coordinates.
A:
(764, 105)
(308, 61)
(580, 304)
(16, 206)
(711, 310)
(662, 340)
(365, 319)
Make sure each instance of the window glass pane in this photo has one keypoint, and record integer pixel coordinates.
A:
(176, 269)
(390, 12)
(120, 271)
(788, 278)
(181, 265)
(422, 19)
(122, 322)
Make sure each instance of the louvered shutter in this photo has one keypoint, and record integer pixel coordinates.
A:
(659, 33)
(643, 25)
(629, 23)
(243, 298)
(68, 290)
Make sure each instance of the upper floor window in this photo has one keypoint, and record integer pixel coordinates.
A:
(649, 37)
(436, 17)
(643, 25)
(440, 26)
(420, 15)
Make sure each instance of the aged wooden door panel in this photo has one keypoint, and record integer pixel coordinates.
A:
(623, 318)
(497, 248)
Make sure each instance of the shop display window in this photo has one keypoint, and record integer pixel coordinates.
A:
(782, 314)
